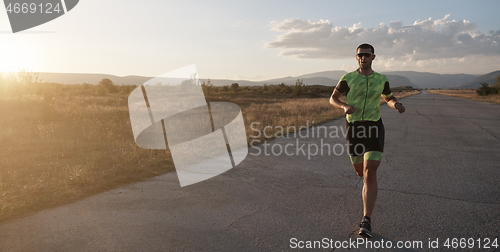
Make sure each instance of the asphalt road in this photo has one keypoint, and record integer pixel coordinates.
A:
(438, 180)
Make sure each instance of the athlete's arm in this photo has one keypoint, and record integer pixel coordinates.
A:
(393, 103)
(336, 102)
(391, 100)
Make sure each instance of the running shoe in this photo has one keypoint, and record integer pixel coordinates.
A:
(365, 229)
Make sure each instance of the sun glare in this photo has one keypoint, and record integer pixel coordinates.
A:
(16, 55)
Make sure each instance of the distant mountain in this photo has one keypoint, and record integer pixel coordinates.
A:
(331, 78)
(80, 78)
(325, 78)
(490, 78)
(398, 81)
(287, 80)
(334, 75)
(224, 82)
(312, 80)
(432, 80)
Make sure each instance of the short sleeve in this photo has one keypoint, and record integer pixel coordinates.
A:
(342, 87)
(387, 90)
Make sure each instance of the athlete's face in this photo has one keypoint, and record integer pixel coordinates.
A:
(365, 58)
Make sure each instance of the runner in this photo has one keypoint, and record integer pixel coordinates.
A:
(365, 130)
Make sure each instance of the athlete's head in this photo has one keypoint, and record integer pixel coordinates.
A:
(365, 54)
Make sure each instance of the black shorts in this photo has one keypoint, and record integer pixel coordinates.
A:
(364, 136)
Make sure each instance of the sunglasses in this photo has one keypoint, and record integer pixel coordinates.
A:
(366, 54)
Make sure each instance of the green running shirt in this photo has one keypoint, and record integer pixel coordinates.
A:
(363, 92)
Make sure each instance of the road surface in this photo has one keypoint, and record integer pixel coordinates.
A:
(438, 180)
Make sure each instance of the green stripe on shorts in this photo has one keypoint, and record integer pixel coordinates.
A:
(356, 159)
(373, 155)
(369, 155)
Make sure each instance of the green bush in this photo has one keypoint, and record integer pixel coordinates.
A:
(487, 90)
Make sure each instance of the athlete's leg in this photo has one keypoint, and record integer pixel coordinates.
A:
(372, 159)
(370, 186)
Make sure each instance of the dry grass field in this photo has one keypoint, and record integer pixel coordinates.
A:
(61, 143)
(469, 94)
(53, 153)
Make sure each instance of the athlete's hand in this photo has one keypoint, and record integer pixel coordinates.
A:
(349, 109)
(400, 107)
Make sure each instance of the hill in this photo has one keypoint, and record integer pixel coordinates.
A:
(331, 78)
(398, 81)
(334, 75)
(224, 82)
(490, 78)
(80, 78)
(432, 80)
(311, 80)
(324, 78)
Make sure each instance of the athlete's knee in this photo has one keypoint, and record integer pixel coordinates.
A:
(359, 169)
(357, 164)
(370, 169)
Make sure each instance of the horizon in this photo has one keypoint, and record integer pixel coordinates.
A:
(3, 73)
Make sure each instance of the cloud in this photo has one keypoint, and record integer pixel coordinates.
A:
(424, 40)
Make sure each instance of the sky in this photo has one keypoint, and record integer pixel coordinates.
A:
(257, 40)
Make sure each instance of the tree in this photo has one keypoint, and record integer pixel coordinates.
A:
(108, 85)
(27, 77)
(207, 87)
(265, 87)
(297, 89)
(27, 82)
(235, 86)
